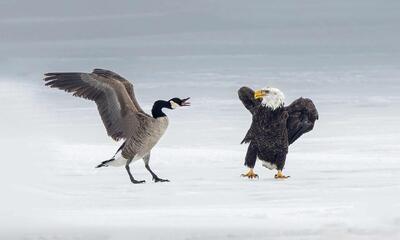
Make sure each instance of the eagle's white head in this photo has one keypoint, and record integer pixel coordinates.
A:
(271, 97)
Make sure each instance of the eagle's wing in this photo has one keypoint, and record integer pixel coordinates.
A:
(122, 118)
(246, 95)
(302, 116)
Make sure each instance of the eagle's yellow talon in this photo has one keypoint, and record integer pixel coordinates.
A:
(280, 175)
(250, 174)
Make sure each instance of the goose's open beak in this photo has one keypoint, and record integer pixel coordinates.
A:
(185, 102)
(259, 94)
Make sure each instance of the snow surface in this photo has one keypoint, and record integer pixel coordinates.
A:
(345, 174)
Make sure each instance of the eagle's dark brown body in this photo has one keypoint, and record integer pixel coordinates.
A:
(268, 136)
(272, 131)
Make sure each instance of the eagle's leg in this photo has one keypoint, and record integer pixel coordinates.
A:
(133, 180)
(281, 159)
(146, 160)
(251, 157)
(280, 175)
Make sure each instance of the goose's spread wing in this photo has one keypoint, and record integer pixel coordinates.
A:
(246, 95)
(113, 95)
(302, 116)
(128, 85)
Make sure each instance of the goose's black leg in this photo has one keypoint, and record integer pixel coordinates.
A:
(146, 160)
(130, 174)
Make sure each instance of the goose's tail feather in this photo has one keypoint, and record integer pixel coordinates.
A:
(112, 160)
(105, 163)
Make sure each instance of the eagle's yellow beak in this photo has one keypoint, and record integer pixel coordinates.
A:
(260, 94)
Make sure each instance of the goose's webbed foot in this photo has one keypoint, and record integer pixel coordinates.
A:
(157, 179)
(134, 181)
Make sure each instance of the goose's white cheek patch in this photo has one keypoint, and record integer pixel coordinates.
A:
(174, 104)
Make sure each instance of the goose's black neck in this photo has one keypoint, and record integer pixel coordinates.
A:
(157, 108)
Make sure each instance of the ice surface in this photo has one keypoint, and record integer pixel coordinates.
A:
(345, 175)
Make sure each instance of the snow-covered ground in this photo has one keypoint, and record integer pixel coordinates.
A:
(345, 174)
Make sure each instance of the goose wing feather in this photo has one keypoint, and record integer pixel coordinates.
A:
(114, 96)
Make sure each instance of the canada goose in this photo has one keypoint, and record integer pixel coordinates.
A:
(122, 116)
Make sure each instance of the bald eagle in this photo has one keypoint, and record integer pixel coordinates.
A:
(274, 127)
